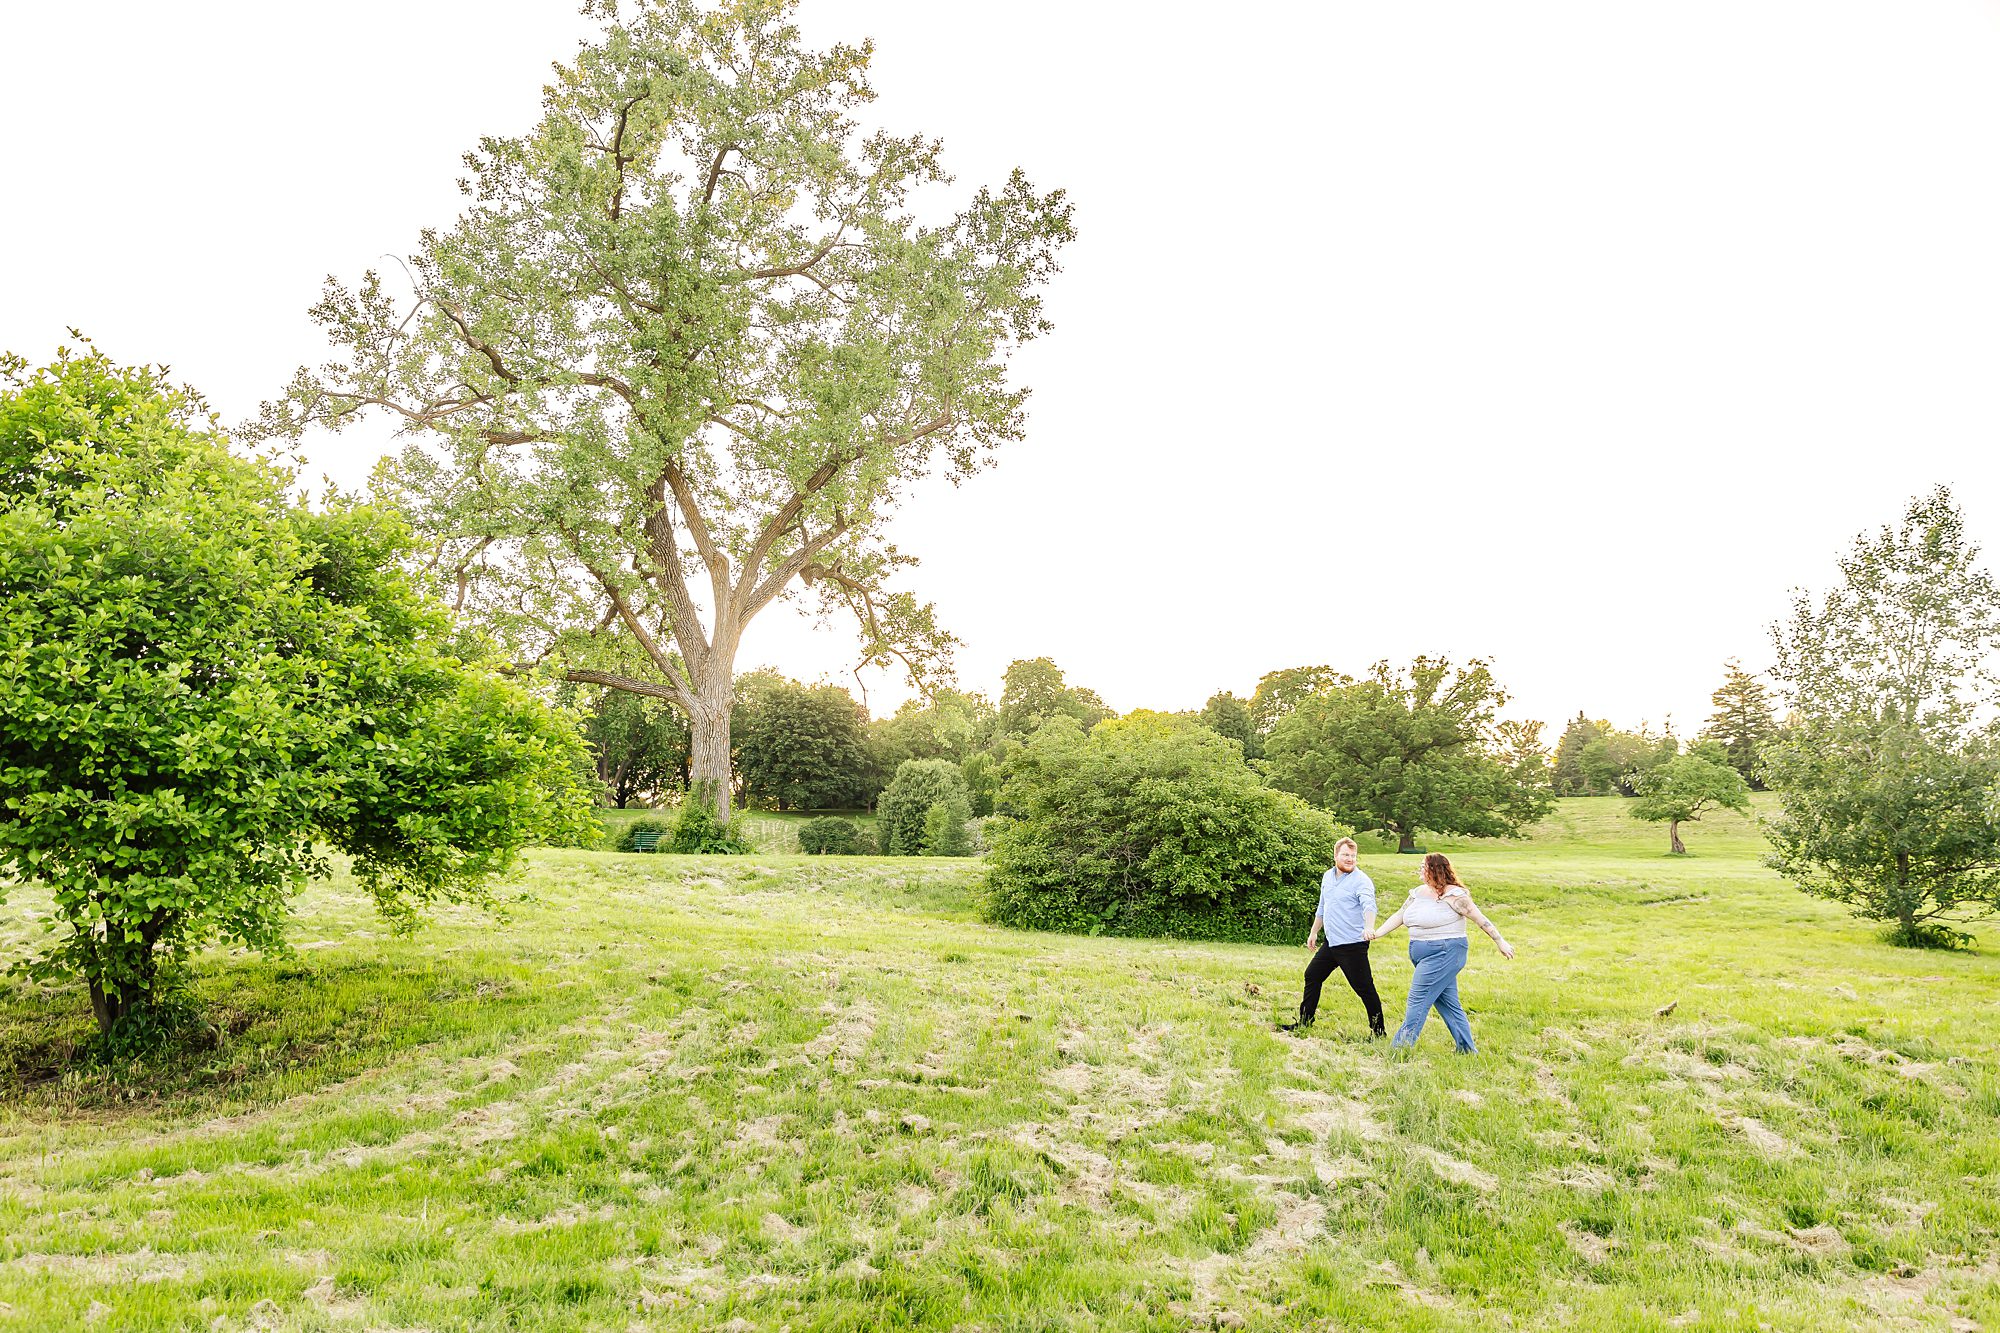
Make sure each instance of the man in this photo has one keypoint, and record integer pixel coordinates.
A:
(1347, 915)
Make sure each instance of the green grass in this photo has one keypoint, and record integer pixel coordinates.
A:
(818, 1093)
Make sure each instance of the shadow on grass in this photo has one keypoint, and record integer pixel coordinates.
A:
(262, 1030)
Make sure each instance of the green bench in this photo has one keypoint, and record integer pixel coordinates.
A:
(646, 840)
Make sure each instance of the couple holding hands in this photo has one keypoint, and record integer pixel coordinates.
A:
(1436, 912)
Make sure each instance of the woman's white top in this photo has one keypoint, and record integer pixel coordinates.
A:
(1432, 918)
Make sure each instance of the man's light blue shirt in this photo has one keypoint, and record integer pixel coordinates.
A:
(1345, 904)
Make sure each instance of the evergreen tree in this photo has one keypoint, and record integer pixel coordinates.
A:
(1568, 777)
(1743, 721)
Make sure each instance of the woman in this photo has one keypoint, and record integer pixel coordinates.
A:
(1436, 912)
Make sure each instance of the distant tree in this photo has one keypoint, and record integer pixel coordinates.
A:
(803, 747)
(1568, 777)
(1405, 752)
(206, 687)
(1034, 691)
(685, 350)
(640, 746)
(905, 803)
(1279, 692)
(1520, 747)
(1743, 720)
(1887, 773)
(1618, 761)
(951, 724)
(1153, 825)
(1681, 789)
(982, 781)
(1226, 715)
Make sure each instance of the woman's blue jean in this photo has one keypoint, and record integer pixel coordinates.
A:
(1435, 985)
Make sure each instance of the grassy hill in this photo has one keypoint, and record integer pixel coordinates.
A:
(819, 1094)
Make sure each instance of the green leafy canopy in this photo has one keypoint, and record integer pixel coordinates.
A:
(202, 682)
(685, 351)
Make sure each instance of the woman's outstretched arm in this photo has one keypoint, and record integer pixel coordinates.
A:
(1469, 909)
(1386, 927)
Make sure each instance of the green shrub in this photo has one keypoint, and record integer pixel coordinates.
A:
(830, 836)
(697, 832)
(627, 838)
(918, 785)
(1153, 825)
(944, 828)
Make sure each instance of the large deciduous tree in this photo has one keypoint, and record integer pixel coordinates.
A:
(1406, 752)
(685, 351)
(805, 747)
(1279, 692)
(204, 687)
(1033, 691)
(1888, 772)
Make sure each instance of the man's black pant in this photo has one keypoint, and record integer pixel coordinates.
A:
(1352, 960)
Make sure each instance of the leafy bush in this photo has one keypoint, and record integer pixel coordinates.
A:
(918, 785)
(944, 828)
(830, 836)
(205, 686)
(628, 837)
(1153, 825)
(697, 832)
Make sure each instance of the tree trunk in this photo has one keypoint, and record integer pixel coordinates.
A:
(1906, 911)
(1676, 846)
(133, 967)
(709, 767)
(1406, 841)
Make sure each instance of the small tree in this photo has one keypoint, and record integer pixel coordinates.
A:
(918, 785)
(203, 685)
(1679, 790)
(944, 828)
(1743, 721)
(1405, 752)
(1887, 773)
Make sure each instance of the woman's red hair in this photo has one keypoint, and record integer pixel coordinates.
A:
(1439, 874)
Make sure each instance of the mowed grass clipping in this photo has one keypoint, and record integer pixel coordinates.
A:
(802, 1093)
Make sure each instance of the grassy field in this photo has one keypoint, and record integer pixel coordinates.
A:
(779, 1093)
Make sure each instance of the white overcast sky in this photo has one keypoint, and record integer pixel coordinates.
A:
(1568, 334)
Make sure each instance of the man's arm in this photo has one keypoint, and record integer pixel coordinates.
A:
(1312, 936)
(1367, 896)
